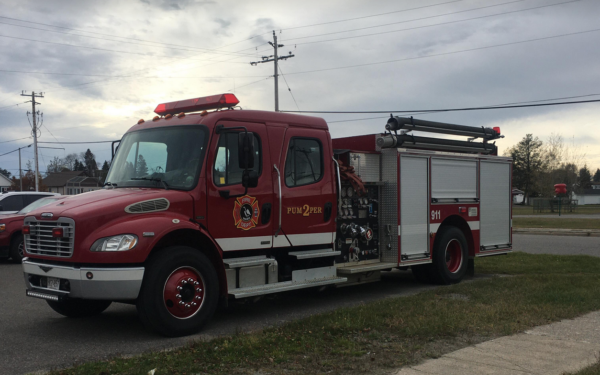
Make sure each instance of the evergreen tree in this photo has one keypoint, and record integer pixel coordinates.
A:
(105, 166)
(142, 167)
(528, 164)
(597, 175)
(90, 165)
(5, 172)
(585, 178)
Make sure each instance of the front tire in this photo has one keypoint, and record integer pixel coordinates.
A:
(180, 292)
(79, 308)
(450, 256)
(17, 249)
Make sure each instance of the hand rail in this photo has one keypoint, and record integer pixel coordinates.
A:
(279, 183)
(339, 182)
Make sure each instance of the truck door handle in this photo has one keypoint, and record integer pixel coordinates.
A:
(266, 213)
(327, 211)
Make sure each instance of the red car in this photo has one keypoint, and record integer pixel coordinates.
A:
(11, 239)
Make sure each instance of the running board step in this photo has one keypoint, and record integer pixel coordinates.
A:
(321, 253)
(361, 268)
(247, 261)
(283, 287)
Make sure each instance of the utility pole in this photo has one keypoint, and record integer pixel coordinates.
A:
(275, 58)
(34, 133)
(20, 170)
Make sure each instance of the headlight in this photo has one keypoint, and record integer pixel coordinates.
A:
(122, 242)
(2, 227)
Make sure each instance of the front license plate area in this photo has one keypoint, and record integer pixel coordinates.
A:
(53, 283)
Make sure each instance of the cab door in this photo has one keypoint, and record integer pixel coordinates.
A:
(239, 220)
(307, 189)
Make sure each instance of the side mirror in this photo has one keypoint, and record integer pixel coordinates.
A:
(249, 179)
(246, 150)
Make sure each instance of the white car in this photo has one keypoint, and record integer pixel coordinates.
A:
(15, 201)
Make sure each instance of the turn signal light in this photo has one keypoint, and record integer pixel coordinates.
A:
(497, 129)
(58, 233)
(462, 210)
(26, 229)
(197, 104)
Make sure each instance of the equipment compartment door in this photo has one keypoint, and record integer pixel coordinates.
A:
(414, 207)
(495, 192)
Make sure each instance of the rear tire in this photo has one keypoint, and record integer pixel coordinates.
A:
(17, 249)
(79, 308)
(180, 292)
(450, 256)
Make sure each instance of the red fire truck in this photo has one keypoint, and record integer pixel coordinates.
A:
(228, 203)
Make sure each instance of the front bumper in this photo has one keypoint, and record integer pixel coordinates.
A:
(105, 284)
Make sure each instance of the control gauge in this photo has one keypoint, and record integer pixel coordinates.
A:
(343, 193)
(346, 212)
(350, 192)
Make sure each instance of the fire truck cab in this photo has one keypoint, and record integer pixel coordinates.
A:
(202, 207)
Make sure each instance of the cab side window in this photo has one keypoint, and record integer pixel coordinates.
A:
(12, 203)
(226, 170)
(304, 162)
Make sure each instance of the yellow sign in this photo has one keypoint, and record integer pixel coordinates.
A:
(305, 210)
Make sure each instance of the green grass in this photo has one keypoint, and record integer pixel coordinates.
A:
(528, 210)
(383, 335)
(566, 223)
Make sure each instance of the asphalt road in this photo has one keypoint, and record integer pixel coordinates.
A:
(33, 337)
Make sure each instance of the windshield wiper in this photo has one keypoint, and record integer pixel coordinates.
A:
(153, 179)
(110, 184)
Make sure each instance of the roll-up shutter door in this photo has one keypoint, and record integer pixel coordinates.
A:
(414, 203)
(452, 178)
(495, 204)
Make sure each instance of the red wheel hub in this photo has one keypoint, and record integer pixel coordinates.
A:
(183, 293)
(454, 256)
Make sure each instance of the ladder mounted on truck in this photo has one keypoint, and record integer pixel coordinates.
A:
(406, 140)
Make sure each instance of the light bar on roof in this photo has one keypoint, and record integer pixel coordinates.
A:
(197, 104)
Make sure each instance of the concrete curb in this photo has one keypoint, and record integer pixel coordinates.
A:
(562, 347)
(558, 232)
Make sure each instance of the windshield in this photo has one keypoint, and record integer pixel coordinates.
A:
(162, 157)
(37, 204)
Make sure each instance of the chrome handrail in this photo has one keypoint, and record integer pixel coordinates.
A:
(279, 183)
(339, 182)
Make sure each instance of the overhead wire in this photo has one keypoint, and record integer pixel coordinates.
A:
(454, 109)
(288, 86)
(370, 16)
(428, 26)
(445, 53)
(103, 49)
(117, 36)
(406, 21)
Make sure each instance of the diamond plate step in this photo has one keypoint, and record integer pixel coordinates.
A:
(361, 268)
(314, 253)
(283, 287)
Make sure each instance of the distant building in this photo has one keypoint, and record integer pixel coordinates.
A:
(5, 183)
(518, 196)
(589, 196)
(71, 183)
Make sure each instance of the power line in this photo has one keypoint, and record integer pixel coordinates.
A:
(445, 53)
(372, 15)
(12, 105)
(121, 41)
(426, 26)
(117, 36)
(101, 49)
(405, 21)
(456, 109)
(289, 89)
(251, 83)
(14, 140)
(113, 76)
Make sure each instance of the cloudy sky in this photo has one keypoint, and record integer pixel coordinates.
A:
(112, 62)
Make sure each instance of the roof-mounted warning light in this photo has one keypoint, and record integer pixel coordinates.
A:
(197, 104)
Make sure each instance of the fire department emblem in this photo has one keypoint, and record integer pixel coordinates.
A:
(245, 212)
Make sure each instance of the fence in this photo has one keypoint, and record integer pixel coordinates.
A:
(552, 204)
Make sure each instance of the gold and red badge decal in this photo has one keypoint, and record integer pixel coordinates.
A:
(245, 212)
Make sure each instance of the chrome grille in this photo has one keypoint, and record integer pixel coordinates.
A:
(153, 205)
(41, 242)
